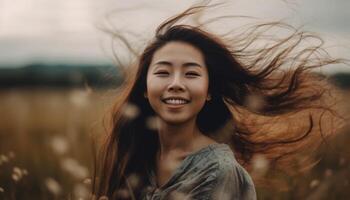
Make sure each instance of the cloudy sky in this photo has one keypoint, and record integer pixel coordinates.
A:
(67, 31)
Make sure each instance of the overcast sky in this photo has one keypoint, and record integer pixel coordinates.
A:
(66, 31)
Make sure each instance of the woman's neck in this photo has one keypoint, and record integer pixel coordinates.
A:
(181, 140)
(177, 138)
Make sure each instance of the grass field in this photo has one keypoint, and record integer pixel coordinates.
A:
(46, 149)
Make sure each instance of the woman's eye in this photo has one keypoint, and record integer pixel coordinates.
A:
(162, 73)
(192, 74)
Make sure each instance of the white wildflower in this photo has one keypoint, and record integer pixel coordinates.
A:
(87, 181)
(3, 159)
(130, 111)
(80, 98)
(17, 170)
(16, 174)
(59, 144)
(134, 180)
(254, 102)
(103, 198)
(260, 165)
(15, 177)
(53, 186)
(152, 123)
(74, 168)
(24, 172)
(314, 183)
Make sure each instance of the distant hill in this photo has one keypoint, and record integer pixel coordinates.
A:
(63, 75)
(59, 75)
(342, 80)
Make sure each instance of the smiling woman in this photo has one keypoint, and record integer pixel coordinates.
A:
(195, 85)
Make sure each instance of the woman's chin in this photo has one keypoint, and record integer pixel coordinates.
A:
(176, 120)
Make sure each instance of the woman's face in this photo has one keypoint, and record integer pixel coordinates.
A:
(177, 82)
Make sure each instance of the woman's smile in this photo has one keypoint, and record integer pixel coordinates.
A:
(175, 102)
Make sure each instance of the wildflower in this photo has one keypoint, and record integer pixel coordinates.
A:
(314, 183)
(152, 123)
(17, 174)
(254, 102)
(17, 170)
(24, 172)
(130, 111)
(3, 159)
(53, 186)
(74, 168)
(260, 165)
(15, 177)
(80, 97)
(103, 198)
(59, 144)
(134, 180)
(87, 181)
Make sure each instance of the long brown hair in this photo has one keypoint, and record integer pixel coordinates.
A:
(265, 101)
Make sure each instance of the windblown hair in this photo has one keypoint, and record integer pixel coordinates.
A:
(266, 101)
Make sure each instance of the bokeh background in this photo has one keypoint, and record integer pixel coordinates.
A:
(57, 76)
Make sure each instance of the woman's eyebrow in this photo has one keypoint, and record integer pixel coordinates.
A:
(191, 64)
(187, 64)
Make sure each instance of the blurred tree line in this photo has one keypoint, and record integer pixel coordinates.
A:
(100, 76)
(59, 75)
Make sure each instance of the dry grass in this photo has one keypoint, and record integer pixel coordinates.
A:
(46, 152)
(48, 133)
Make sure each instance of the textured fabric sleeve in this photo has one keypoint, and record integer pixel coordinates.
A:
(230, 182)
(204, 190)
(234, 183)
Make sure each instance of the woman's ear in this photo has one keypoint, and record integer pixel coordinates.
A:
(145, 95)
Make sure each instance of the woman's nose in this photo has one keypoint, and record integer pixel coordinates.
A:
(176, 83)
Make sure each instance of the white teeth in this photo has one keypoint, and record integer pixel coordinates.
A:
(175, 101)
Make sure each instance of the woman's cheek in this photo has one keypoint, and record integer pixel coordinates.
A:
(154, 85)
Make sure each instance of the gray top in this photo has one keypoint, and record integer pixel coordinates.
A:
(210, 173)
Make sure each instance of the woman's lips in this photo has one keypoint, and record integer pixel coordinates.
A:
(175, 105)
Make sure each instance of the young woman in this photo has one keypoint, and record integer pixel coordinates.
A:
(212, 101)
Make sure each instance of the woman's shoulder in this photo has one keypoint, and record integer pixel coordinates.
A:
(219, 155)
(224, 175)
(212, 158)
(227, 163)
(219, 159)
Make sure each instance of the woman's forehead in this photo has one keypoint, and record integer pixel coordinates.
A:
(178, 52)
